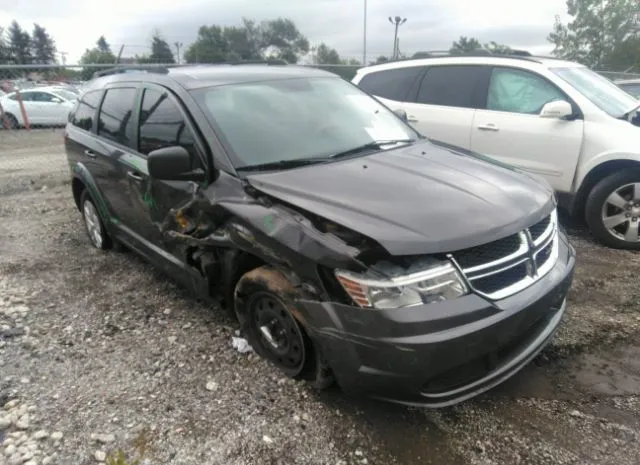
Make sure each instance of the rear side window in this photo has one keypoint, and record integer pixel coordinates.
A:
(452, 86)
(115, 121)
(162, 124)
(392, 84)
(86, 110)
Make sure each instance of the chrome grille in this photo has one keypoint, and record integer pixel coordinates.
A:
(501, 268)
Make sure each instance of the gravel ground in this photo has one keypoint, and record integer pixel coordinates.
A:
(100, 353)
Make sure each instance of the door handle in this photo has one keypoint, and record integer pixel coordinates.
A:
(90, 153)
(488, 127)
(135, 176)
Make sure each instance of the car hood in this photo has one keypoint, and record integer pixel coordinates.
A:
(423, 198)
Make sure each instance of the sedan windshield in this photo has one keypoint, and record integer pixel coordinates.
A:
(292, 122)
(601, 91)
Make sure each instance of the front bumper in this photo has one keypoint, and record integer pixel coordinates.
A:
(440, 354)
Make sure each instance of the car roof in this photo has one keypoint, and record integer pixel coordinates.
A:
(518, 61)
(198, 76)
(628, 81)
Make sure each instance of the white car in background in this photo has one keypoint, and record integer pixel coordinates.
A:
(631, 86)
(44, 106)
(557, 119)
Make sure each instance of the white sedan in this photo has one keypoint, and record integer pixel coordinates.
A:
(44, 106)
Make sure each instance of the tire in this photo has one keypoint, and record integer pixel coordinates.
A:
(93, 223)
(10, 122)
(263, 298)
(626, 211)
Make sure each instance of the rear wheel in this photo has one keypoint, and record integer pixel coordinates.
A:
(93, 223)
(10, 121)
(613, 210)
(264, 307)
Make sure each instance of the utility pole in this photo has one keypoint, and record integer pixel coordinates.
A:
(397, 21)
(178, 46)
(364, 39)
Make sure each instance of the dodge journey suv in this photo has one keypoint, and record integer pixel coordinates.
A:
(348, 246)
(554, 118)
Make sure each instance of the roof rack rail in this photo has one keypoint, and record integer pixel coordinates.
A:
(130, 69)
(517, 54)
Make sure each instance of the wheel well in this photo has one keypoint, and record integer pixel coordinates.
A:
(594, 176)
(236, 264)
(77, 188)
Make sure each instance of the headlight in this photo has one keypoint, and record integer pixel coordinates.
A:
(433, 283)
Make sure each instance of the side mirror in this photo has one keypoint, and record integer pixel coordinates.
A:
(558, 109)
(402, 115)
(173, 164)
(56, 100)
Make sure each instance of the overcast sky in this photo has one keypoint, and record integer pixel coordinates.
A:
(431, 24)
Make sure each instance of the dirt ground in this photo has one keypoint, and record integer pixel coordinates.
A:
(100, 353)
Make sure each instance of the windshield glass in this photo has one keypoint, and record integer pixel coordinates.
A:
(65, 94)
(601, 91)
(297, 119)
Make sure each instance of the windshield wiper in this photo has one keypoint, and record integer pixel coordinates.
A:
(375, 145)
(295, 163)
(282, 164)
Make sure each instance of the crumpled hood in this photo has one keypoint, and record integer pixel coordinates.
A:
(423, 198)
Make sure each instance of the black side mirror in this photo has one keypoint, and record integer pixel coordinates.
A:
(402, 115)
(173, 164)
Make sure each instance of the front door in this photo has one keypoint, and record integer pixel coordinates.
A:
(510, 129)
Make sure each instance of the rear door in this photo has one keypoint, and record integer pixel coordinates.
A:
(391, 86)
(510, 129)
(444, 102)
(34, 113)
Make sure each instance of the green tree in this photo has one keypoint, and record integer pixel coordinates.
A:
(42, 46)
(283, 39)
(210, 46)
(100, 54)
(464, 45)
(19, 45)
(597, 32)
(421, 55)
(4, 50)
(243, 41)
(160, 50)
(103, 46)
(325, 55)
(381, 59)
(498, 49)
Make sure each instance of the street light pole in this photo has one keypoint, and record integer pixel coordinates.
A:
(364, 39)
(397, 21)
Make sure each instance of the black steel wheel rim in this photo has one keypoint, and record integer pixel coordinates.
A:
(277, 331)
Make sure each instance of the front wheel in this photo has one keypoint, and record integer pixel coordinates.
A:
(613, 210)
(264, 307)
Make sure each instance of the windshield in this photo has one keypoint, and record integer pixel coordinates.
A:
(601, 91)
(65, 94)
(297, 119)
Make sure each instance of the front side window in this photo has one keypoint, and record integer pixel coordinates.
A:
(451, 86)
(85, 112)
(518, 91)
(114, 121)
(297, 119)
(65, 94)
(43, 97)
(599, 90)
(163, 125)
(392, 84)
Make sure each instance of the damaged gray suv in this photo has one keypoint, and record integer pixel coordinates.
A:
(349, 247)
